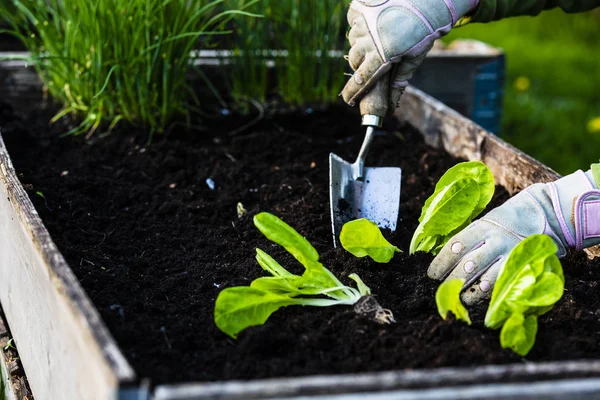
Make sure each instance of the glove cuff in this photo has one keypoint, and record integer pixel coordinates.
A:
(576, 203)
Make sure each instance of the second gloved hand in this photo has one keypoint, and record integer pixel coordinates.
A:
(568, 210)
(400, 32)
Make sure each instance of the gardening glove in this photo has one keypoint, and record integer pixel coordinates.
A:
(399, 32)
(568, 210)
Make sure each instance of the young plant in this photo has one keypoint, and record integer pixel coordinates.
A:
(303, 38)
(115, 60)
(362, 238)
(238, 308)
(447, 298)
(460, 195)
(528, 286)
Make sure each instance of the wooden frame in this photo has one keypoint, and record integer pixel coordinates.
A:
(68, 353)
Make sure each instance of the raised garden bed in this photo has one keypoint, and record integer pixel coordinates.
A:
(151, 244)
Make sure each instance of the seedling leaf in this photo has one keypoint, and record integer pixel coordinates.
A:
(362, 288)
(363, 238)
(460, 195)
(518, 333)
(240, 307)
(237, 308)
(529, 285)
(447, 298)
(284, 235)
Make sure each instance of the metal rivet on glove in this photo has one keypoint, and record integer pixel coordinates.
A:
(457, 247)
(485, 286)
(359, 79)
(469, 266)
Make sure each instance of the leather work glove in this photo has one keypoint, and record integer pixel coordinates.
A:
(568, 210)
(399, 32)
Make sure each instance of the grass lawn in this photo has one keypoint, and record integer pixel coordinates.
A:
(553, 84)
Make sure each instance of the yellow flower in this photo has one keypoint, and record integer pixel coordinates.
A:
(522, 84)
(593, 125)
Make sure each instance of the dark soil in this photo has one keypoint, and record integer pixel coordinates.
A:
(153, 245)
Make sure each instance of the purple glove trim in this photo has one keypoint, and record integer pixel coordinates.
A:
(419, 14)
(450, 6)
(591, 214)
(576, 179)
(587, 217)
(423, 44)
(559, 215)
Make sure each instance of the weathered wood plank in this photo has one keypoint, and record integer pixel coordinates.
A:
(66, 350)
(461, 137)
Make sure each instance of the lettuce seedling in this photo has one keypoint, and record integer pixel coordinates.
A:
(447, 298)
(529, 285)
(460, 195)
(238, 308)
(363, 238)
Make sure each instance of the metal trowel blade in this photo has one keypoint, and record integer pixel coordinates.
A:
(376, 197)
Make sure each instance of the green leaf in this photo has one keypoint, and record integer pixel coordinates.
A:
(237, 308)
(269, 264)
(460, 195)
(548, 290)
(447, 298)
(449, 209)
(362, 238)
(475, 170)
(281, 233)
(362, 288)
(240, 307)
(516, 282)
(284, 235)
(596, 173)
(529, 285)
(518, 333)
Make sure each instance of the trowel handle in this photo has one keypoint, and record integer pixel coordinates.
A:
(374, 106)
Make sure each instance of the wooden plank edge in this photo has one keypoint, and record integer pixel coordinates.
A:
(65, 281)
(377, 381)
(459, 136)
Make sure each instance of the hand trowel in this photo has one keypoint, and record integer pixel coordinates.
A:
(356, 191)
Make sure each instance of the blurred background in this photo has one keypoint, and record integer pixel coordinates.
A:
(552, 92)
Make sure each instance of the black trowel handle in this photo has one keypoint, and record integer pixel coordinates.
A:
(374, 106)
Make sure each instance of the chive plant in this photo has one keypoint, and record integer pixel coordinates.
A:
(304, 38)
(114, 60)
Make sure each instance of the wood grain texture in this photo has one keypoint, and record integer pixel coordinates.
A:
(66, 350)
(461, 137)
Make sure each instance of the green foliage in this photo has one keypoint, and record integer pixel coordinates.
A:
(596, 173)
(237, 308)
(529, 285)
(302, 37)
(460, 195)
(363, 238)
(549, 120)
(114, 60)
(518, 333)
(447, 298)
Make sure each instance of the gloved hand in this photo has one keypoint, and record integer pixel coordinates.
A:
(395, 31)
(568, 210)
